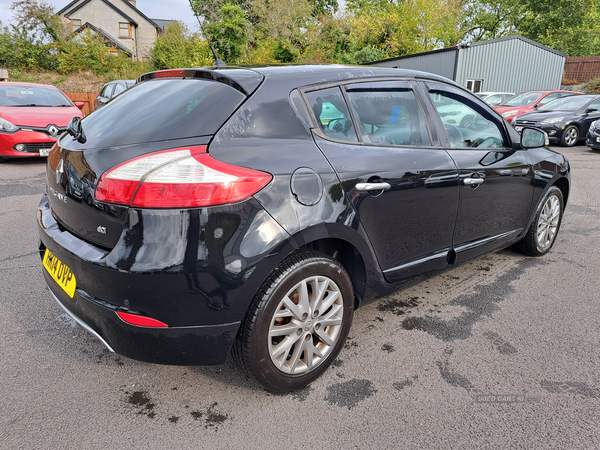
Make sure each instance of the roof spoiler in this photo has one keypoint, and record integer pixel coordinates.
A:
(243, 80)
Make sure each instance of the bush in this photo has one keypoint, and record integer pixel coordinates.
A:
(592, 87)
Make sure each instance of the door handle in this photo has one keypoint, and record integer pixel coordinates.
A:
(473, 182)
(363, 187)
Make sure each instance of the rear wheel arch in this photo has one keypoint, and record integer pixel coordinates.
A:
(349, 257)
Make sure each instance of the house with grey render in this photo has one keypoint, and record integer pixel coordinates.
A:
(119, 22)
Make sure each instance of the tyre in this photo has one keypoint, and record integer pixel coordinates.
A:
(297, 322)
(542, 233)
(570, 136)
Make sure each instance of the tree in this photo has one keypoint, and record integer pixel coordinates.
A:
(39, 20)
(565, 25)
(489, 19)
(229, 32)
(177, 47)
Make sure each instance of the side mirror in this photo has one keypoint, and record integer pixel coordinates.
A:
(75, 130)
(591, 110)
(80, 105)
(533, 138)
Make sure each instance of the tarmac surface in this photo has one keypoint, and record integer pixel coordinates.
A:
(503, 352)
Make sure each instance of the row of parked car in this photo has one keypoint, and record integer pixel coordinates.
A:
(32, 116)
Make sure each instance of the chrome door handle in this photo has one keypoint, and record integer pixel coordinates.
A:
(473, 182)
(372, 186)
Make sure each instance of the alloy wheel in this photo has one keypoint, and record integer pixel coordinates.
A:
(306, 325)
(548, 222)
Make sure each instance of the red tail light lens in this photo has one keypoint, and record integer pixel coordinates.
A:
(141, 321)
(178, 178)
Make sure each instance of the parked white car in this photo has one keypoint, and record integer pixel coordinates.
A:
(494, 98)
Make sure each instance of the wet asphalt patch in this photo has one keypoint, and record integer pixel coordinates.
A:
(350, 393)
(481, 304)
(571, 387)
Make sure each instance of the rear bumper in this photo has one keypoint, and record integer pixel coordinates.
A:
(202, 301)
(204, 345)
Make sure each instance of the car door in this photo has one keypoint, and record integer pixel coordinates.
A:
(588, 115)
(401, 183)
(496, 189)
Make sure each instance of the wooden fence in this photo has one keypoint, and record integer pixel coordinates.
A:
(86, 98)
(582, 68)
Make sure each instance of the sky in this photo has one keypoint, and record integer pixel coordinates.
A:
(154, 9)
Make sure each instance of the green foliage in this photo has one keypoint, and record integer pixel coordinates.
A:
(364, 55)
(38, 19)
(19, 49)
(180, 48)
(285, 52)
(229, 33)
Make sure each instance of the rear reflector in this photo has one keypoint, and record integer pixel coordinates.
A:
(178, 178)
(141, 321)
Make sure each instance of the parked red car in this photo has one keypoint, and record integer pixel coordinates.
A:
(32, 117)
(527, 101)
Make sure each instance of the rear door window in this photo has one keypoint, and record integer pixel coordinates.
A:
(389, 114)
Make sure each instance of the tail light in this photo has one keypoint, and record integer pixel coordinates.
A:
(178, 178)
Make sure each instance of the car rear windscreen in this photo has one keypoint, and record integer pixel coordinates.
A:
(161, 110)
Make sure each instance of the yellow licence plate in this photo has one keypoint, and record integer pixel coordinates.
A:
(60, 272)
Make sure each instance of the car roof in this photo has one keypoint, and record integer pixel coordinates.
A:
(247, 79)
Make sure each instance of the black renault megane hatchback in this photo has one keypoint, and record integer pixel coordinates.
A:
(252, 211)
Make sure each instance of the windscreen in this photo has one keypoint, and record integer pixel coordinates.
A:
(32, 96)
(522, 99)
(570, 103)
(161, 110)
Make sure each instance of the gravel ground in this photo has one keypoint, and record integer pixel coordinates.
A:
(499, 353)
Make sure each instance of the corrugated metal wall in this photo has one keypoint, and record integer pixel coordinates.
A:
(510, 65)
(440, 63)
(504, 65)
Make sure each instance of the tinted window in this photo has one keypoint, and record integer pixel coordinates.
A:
(118, 89)
(107, 90)
(466, 125)
(331, 113)
(32, 96)
(160, 110)
(389, 116)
